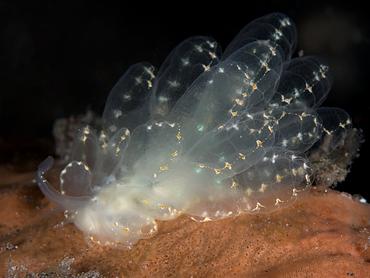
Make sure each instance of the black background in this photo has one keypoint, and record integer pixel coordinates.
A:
(60, 59)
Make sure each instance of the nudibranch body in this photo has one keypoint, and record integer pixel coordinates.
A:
(210, 135)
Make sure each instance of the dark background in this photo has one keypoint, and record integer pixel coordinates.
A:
(61, 59)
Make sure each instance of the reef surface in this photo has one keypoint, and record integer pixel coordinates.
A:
(324, 233)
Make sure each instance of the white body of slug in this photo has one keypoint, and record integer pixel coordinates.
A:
(209, 135)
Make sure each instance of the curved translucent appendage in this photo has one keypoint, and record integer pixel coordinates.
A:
(125, 106)
(305, 82)
(102, 154)
(75, 179)
(154, 147)
(111, 152)
(295, 130)
(334, 120)
(227, 90)
(71, 203)
(335, 123)
(184, 64)
(234, 147)
(276, 28)
(278, 177)
(85, 146)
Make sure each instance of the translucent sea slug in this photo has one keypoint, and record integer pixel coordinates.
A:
(210, 135)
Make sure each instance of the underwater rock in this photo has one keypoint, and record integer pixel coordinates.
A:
(323, 233)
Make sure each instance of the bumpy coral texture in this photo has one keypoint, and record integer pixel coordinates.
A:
(209, 134)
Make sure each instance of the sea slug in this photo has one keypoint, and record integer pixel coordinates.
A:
(208, 134)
